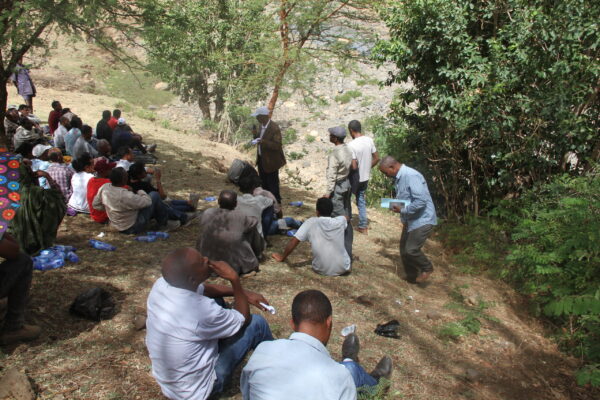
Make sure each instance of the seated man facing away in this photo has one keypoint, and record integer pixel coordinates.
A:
(102, 168)
(326, 237)
(123, 135)
(300, 367)
(125, 157)
(254, 206)
(194, 343)
(83, 144)
(229, 235)
(130, 212)
(60, 172)
(178, 209)
(15, 279)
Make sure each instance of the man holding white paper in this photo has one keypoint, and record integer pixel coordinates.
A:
(418, 216)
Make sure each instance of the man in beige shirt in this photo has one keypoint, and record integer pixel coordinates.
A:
(130, 212)
(338, 185)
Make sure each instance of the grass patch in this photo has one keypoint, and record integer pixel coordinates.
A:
(140, 92)
(364, 82)
(310, 138)
(366, 102)
(472, 316)
(146, 114)
(294, 155)
(123, 106)
(290, 135)
(348, 96)
(165, 123)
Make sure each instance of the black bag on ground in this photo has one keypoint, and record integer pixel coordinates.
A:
(240, 169)
(94, 304)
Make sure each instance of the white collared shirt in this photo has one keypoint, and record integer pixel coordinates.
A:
(297, 368)
(182, 335)
(263, 129)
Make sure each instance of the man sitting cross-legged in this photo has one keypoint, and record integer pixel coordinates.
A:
(195, 343)
(300, 367)
(130, 212)
(229, 235)
(326, 237)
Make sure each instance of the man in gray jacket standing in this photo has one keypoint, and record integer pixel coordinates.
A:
(338, 185)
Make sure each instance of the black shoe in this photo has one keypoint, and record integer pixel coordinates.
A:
(383, 369)
(351, 347)
(389, 329)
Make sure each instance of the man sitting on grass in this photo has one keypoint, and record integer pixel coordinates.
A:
(194, 342)
(301, 368)
(130, 212)
(229, 235)
(326, 236)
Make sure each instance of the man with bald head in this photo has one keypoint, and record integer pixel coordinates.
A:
(194, 343)
(230, 235)
(418, 217)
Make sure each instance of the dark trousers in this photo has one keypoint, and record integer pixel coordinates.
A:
(342, 205)
(158, 210)
(270, 180)
(15, 280)
(268, 216)
(414, 260)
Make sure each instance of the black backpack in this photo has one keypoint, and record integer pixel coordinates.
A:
(94, 304)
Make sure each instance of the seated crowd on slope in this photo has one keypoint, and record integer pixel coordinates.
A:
(196, 340)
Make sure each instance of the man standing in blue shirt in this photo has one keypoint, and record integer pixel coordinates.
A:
(417, 215)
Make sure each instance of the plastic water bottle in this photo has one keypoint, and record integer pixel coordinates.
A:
(56, 263)
(64, 249)
(102, 245)
(210, 198)
(47, 254)
(296, 203)
(160, 235)
(46, 264)
(147, 238)
(72, 257)
(291, 232)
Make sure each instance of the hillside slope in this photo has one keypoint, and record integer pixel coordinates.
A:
(74, 359)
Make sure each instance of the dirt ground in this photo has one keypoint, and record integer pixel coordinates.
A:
(78, 359)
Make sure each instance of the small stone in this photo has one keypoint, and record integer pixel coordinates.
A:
(434, 315)
(161, 86)
(471, 300)
(152, 107)
(139, 321)
(364, 300)
(15, 385)
(472, 374)
(306, 164)
(127, 350)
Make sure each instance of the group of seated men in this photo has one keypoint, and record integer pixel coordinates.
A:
(195, 341)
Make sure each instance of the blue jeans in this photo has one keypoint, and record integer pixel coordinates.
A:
(289, 221)
(157, 210)
(268, 216)
(178, 208)
(361, 203)
(360, 376)
(233, 349)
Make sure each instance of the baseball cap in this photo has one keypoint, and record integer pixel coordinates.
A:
(260, 111)
(121, 121)
(39, 149)
(102, 165)
(337, 131)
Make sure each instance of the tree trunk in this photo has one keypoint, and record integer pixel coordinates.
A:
(219, 105)
(278, 82)
(3, 104)
(204, 104)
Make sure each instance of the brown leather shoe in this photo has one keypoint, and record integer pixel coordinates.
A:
(363, 230)
(24, 334)
(423, 277)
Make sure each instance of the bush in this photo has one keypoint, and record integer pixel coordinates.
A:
(290, 135)
(348, 96)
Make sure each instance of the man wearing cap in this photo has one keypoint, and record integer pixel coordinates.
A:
(269, 152)
(338, 186)
(123, 135)
(40, 162)
(102, 167)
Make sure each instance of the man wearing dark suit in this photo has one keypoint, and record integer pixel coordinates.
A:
(270, 157)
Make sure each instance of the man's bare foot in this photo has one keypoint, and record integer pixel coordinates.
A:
(277, 257)
(423, 277)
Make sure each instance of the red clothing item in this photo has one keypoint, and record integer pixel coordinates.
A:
(93, 187)
(53, 119)
(112, 122)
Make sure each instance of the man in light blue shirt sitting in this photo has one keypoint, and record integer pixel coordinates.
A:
(418, 217)
(300, 367)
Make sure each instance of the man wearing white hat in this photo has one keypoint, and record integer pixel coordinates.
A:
(40, 162)
(269, 153)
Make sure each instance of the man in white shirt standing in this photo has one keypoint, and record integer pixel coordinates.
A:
(364, 157)
(195, 343)
(326, 237)
(300, 367)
